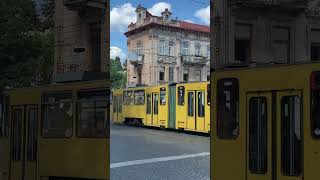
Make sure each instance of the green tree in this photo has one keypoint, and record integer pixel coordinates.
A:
(118, 76)
(20, 47)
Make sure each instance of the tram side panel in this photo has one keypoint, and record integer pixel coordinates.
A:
(74, 136)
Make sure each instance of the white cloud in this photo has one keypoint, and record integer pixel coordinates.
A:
(122, 16)
(158, 8)
(188, 20)
(204, 15)
(116, 51)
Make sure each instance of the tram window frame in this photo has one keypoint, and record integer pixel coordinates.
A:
(115, 104)
(258, 138)
(297, 164)
(208, 94)
(201, 105)
(139, 97)
(99, 99)
(230, 129)
(156, 105)
(127, 99)
(149, 104)
(181, 95)
(62, 97)
(32, 148)
(163, 96)
(120, 101)
(315, 104)
(2, 118)
(191, 104)
(16, 143)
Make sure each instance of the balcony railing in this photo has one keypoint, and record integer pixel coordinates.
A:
(194, 60)
(136, 59)
(80, 4)
(283, 4)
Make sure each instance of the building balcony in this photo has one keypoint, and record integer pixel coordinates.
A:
(166, 59)
(136, 60)
(194, 60)
(92, 8)
(275, 4)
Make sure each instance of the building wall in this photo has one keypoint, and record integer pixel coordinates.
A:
(263, 24)
(73, 31)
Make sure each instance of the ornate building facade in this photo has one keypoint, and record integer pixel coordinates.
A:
(162, 49)
(258, 32)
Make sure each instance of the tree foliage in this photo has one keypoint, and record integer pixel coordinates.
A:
(26, 50)
(118, 74)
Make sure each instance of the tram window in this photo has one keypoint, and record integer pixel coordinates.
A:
(291, 140)
(57, 115)
(119, 104)
(258, 144)
(228, 108)
(1, 117)
(315, 104)
(32, 134)
(163, 96)
(208, 94)
(156, 104)
(181, 91)
(190, 104)
(149, 104)
(128, 97)
(17, 134)
(92, 116)
(201, 103)
(139, 97)
(115, 104)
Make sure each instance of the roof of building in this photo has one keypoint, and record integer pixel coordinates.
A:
(181, 24)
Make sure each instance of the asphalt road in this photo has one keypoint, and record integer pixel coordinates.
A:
(151, 154)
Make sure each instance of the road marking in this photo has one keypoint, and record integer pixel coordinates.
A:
(153, 160)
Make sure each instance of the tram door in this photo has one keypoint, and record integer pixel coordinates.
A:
(196, 110)
(4, 140)
(155, 109)
(24, 142)
(274, 139)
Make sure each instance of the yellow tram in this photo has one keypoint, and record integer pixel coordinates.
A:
(184, 106)
(266, 123)
(57, 131)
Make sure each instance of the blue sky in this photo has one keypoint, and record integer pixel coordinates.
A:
(122, 12)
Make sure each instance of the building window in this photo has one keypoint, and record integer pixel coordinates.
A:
(208, 75)
(208, 51)
(186, 75)
(171, 48)
(185, 48)
(171, 73)
(281, 44)
(315, 45)
(139, 48)
(161, 73)
(198, 75)
(242, 43)
(197, 49)
(162, 47)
